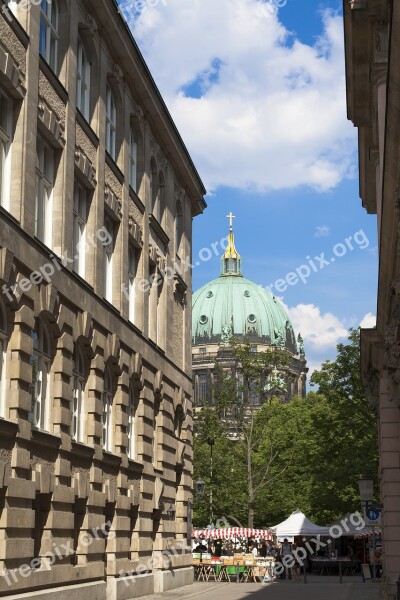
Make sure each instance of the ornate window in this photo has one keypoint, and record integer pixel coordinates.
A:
(48, 43)
(83, 80)
(131, 431)
(40, 388)
(111, 122)
(132, 266)
(133, 157)
(79, 229)
(44, 191)
(178, 226)
(5, 148)
(107, 420)
(153, 187)
(161, 198)
(78, 408)
(108, 259)
(3, 360)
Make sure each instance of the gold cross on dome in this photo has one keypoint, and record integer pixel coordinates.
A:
(230, 217)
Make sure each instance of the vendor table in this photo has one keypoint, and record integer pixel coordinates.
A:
(325, 566)
(238, 572)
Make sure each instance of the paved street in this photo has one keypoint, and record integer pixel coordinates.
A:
(318, 589)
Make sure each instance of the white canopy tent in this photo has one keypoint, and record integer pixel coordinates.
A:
(298, 524)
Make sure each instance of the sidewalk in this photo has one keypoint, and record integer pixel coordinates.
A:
(318, 588)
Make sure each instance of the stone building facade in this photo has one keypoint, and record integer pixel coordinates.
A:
(97, 196)
(372, 42)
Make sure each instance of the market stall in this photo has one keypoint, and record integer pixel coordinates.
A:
(297, 525)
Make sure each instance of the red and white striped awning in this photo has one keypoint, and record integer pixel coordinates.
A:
(369, 533)
(232, 532)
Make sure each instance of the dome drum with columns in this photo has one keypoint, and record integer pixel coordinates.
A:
(234, 306)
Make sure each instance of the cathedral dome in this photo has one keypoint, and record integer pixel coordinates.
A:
(233, 305)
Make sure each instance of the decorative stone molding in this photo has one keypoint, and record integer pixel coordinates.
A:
(85, 166)
(11, 71)
(113, 348)
(110, 491)
(44, 479)
(81, 486)
(153, 254)
(138, 112)
(381, 34)
(118, 74)
(358, 4)
(136, 366)
(371, 384)
(91, 24)
(113, 202)
(180, 289)
(135, 231)
(84, 323)
(49, 300)
(51, 122)
(393, 388)
(5, 474)
(134, 496)
(6, 264)
(158, 384)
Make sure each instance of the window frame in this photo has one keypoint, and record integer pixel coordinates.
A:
(45, 175)
(111, 122)
(3, 360)
(78, 429)
(49, 26)
(107, 416)
(133, 160)
(132, 275)
(6, 126)
(83, 79)
(40, 413)
(108, 274)
(80, 215)
(132, 424)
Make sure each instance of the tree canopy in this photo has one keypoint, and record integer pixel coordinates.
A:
(307, 453)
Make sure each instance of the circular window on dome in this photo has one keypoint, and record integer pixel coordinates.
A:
(209, 294)
(252, 318)
(246, 294)
(203, 319)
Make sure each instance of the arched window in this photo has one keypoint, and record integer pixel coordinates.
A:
(48, 43)
(111, 122)
(40, 388)
(161, 197)
(108, 394)
(83, 80)
(78, 408)
(133, 159)
(153, 187)
(131, 431)
(178, 226)
(3, 360)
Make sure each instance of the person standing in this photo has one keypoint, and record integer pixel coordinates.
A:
(286, 550)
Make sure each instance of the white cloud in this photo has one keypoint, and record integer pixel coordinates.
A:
(322, 231)
(272, 110)
(368, 321)
(321, 333)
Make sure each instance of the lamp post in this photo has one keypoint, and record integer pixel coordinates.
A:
(366, 488)
(199, 488)
(211, 442)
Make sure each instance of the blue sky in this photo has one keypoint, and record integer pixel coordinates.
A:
(259, 98)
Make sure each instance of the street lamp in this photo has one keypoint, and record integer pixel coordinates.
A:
(199, 488)
(366, 487)
(211, 442)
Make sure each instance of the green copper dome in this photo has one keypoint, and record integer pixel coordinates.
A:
(233, 305)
